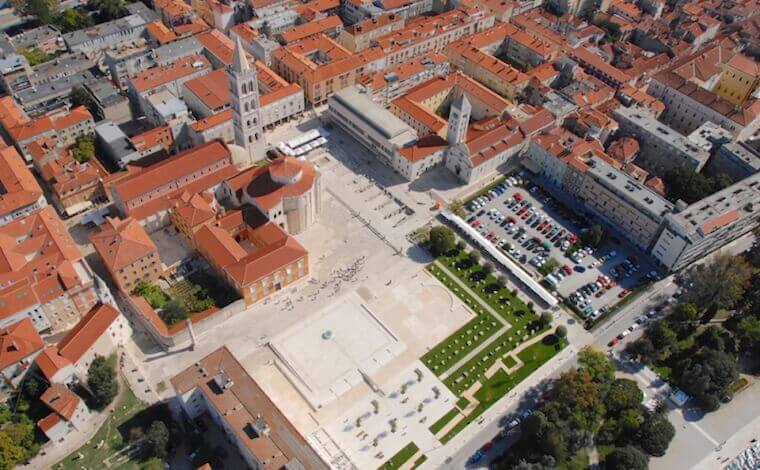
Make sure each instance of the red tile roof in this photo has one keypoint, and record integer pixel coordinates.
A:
(50, 362)
(312, 28)
(89, 329)
(162, 75)
(264, 184)
(11, 115)
(720, 221)
(211, 89)
(121, 242)
(172, 169)
(37, 261)
(61, 400)
(423, 148)
(20, 188)
(18, 341)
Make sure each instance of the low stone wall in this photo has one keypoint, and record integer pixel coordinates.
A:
(178, 336)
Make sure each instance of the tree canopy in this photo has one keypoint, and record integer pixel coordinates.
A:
(158, 438)
(626, 458)
(442, 240)
(655, 434)
(689, 186)
(83, 149)
(707, 375)
(101, 379)
(623, 394)
(733, 274)
(593, 236)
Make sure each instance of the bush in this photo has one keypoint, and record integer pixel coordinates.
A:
(561, 331)
(152, 294)
(546, 318)
(474, 256)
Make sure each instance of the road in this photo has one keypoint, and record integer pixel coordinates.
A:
(687, 427)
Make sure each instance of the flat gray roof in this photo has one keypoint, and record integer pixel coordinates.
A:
(650, 124)
(104, 29)
(49, 90)
(175, 50)
(623, 184)
(372, 114)
(744, 196)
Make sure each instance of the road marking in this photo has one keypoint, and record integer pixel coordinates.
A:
(704, 433)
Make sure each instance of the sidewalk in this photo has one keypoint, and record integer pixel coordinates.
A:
(732, 447)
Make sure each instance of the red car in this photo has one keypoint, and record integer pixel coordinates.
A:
(613, 342)
(623, 293)
(511, 219)
(491, 235)
(487, 446)
(475, 224)
(525, 215)
(518, 197)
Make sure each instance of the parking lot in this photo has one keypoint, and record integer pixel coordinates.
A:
(535, 230)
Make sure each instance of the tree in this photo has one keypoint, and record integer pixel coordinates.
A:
(598, 366)
(158, 438)
(643, 350)
(72, 19)
(748, 332)
(717, 338)
(81, 97)
(689, 186)
(488, 268)
(44, 10)
(626, 458)
(720, 283)
(554, 444)
(685, 312)
(83, 149)
(474, 256)
(655, 434)
(32, 388)
(593, 236)
(457, 207)
(707, 375)
(101, 378)
(442, 240)
(577, 388)
(623, 393)
(173, 312)
(561, 331)
(501, 281)
(10, 452)
(663, 337)
(35, 56)
(546, 318)
(461, 245)
(108, 9)
(534, 426)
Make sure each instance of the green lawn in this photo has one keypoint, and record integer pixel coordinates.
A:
(419, 461)
(476, 331)
(463, 403)
(438, 425)
(401, 457)
(501, 383)
(508, 306)
(475, 369)
(509, 362)
(126, 408)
